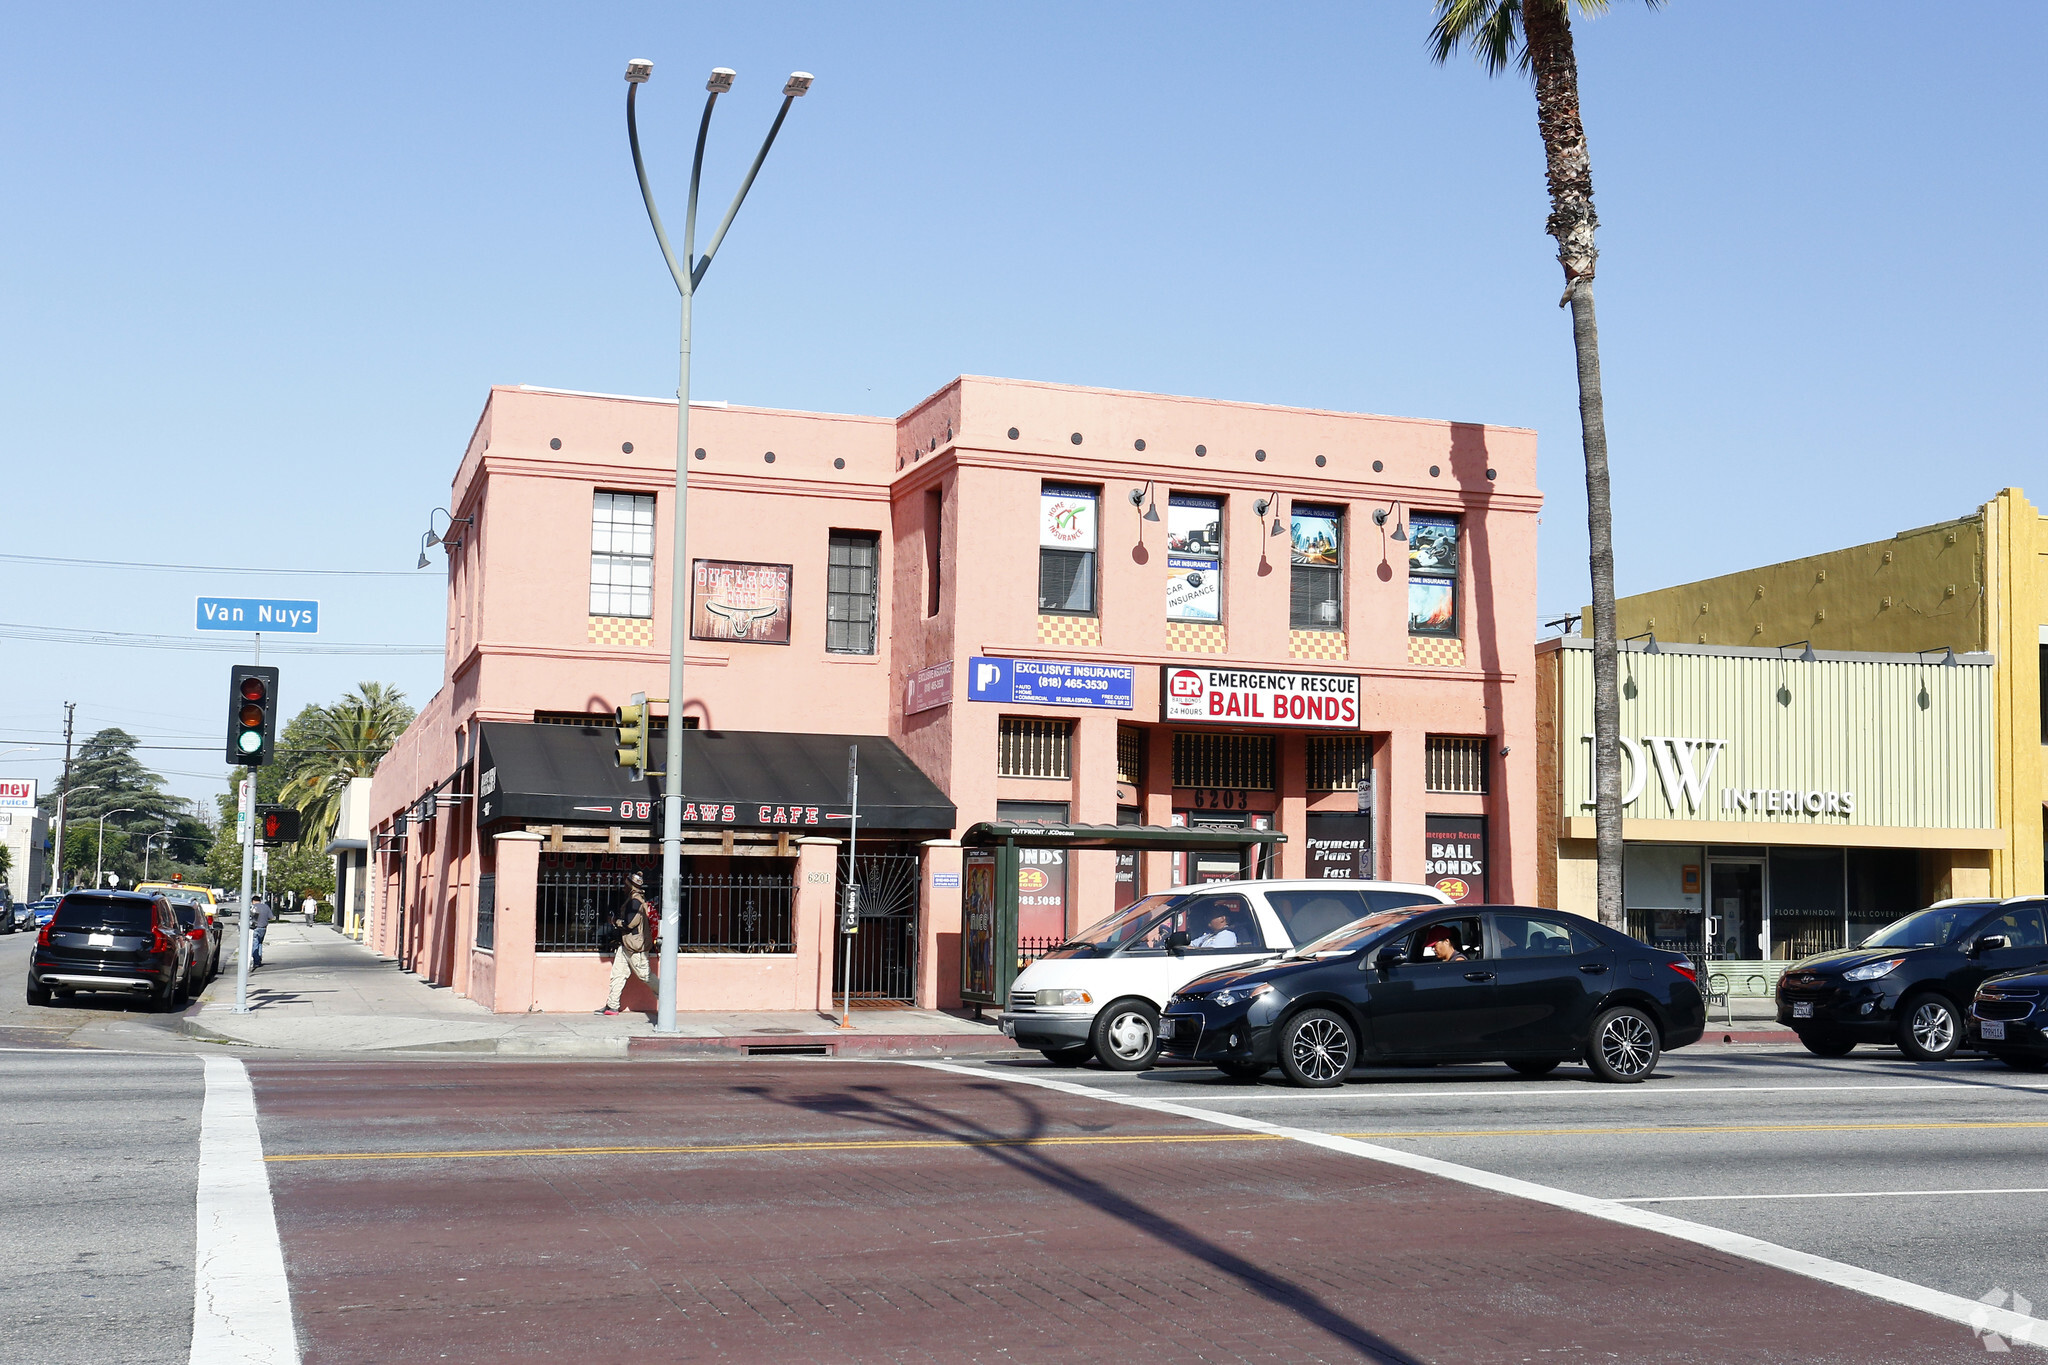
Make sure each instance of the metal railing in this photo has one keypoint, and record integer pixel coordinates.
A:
(718, 912)
(1029, 950)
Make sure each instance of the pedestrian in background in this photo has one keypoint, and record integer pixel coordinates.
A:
(310, 907)
(257, 925)
(631, 954)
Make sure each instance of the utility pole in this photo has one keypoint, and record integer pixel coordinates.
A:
(63, 791)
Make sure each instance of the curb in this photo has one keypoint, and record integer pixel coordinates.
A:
(1750, 1036)
(820, 1045)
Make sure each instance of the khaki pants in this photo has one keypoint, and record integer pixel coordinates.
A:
(623, 962)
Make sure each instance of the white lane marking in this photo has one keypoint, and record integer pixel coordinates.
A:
(1970, 1312)
(241, 1305)
(1521, 1090)
(1818, 1194)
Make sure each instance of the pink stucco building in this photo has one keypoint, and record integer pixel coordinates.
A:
(1023, 601)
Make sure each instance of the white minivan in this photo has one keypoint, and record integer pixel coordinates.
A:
(1100, 993)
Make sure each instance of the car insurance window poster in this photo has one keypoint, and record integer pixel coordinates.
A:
(1066, 518)
(1456, 864)
(1194, 558)
(747, 603)
(1314, 539)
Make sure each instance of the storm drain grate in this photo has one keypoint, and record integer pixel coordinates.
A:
(789, 1049)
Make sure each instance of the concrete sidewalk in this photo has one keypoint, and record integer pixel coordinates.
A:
(320, 992)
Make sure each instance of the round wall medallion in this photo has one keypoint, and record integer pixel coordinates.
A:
(1322, 460)
(700, 452)
(1492, 474)
(1378, 466)
(1075, 438)
(627, 447)
(1013, 433)
(1260, 455)
(1435, 470)
(1201, 450)
(839, 464)
(769, 457)
(555, 444)
(1138, 444)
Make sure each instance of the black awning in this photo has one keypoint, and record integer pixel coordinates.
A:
(1158, 838)
(732, 779)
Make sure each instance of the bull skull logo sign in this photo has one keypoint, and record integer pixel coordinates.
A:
(742, 620)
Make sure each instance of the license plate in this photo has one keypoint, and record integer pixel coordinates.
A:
(1992, 1028)
(99, 940)
(1009, 1028)
(1803, 1010)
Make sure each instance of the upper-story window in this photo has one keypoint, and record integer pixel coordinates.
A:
(1433, 574)
(852, 570)
(622, 554)
(1066, 549)
(1315, 599)
(1194, 557)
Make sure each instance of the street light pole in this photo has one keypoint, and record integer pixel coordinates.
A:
(99, 858)
(687, 275)
(64, 796)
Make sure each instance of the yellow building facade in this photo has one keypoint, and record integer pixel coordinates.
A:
(1975, 585)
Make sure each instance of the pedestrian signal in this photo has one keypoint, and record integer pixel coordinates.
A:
(252, 714)
(277, 824)
(631, 720)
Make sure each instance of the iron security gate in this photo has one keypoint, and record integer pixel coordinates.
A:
(884, 963)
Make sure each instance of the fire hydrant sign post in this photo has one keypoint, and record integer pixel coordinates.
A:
(1237, 696)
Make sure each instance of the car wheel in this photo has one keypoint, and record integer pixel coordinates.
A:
(1625, 1046)
(1317, 1049)
(1821, 1045)
(1929, 1029)
(1536, 1066)
(1126, 1036)
(1067, 1056)
(35, 996)
(2020, 1061)
(1244, 1071)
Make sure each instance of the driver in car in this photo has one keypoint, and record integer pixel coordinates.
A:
(1220, 934)
(1440, 944)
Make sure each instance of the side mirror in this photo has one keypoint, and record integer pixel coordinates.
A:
(1176, 940)
(1391, 956)
(1990, 943)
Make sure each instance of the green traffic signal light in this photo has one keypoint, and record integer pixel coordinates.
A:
(631, 721)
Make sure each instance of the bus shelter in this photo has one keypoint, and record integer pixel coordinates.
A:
(995, 864)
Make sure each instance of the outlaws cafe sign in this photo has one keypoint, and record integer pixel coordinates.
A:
(1233, 696)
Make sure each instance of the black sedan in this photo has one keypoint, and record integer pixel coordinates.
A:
(2009, 1020)
(1532, 988)
(1910, 982)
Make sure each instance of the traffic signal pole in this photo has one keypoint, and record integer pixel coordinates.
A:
(245, 820)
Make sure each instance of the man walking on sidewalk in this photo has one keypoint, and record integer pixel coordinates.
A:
(631, 954)
(257, 925)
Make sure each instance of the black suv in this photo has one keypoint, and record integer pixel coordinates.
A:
(1910, 983)
(113, 941)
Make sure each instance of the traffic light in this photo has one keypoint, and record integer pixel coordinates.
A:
(631, 720)
(277, 824)
(252, 714)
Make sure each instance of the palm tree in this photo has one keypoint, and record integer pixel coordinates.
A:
(1537, 36)
(347, 739)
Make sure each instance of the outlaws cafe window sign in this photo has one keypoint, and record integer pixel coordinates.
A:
(1235, 697)
(734, 601)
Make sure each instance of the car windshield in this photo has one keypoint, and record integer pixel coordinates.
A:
(1356, 934)
(1133, 924)
(131, 915)
(1933, 928)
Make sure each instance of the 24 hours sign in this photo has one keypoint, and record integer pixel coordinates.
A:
(1236, 696)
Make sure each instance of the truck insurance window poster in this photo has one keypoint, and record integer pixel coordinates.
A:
(747, 603)
(1194, 558)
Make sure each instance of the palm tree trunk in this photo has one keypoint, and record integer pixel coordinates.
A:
(1546, 30)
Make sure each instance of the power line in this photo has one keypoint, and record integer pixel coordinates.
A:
(235, 645)
(210, 568)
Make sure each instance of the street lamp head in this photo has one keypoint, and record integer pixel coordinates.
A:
(423, 560)
(799, 83)
(638, 70)
(721, 80)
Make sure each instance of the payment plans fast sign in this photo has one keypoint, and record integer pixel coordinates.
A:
(1235, 696)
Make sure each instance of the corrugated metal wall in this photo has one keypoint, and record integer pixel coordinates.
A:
(1911, 742)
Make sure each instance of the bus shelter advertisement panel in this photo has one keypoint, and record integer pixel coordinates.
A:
(978, 925)
(1231, 696)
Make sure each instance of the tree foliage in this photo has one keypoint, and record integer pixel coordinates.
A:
(108, 779)
(339, 743)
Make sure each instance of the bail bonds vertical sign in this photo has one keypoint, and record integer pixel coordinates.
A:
(1235, 696)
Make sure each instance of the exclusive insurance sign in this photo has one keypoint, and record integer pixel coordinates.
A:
(1236, 696)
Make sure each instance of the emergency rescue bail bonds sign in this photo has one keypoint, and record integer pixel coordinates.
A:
(1239, 697)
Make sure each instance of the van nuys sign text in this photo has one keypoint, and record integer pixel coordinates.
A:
(270, 614)
(1233, 696)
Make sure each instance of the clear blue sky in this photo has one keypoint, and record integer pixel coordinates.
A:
(261, 263)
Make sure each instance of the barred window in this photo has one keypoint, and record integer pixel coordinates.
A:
(1027, 747)
(1243, 762)
(1130, 756)
(622, 554)
(1315, 596)
(1455, 763)
(852, 570)
(1338, 763)
(604, 720)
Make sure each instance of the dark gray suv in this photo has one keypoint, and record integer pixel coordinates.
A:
(117, 941)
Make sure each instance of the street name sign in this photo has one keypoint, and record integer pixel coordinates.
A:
(276, 614)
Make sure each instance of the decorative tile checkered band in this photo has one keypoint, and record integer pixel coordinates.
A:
(1317, 644)
(1195, 637)
(1070, 630)
(622, 630)
(1434, 651)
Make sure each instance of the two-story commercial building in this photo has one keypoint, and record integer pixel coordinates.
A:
(1019, 601)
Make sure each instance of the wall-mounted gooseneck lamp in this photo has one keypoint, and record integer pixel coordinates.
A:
(1379, 519)
(1806, 655)
(1144, 497)
(1651, 648)
(1271, 503)
(453, 543)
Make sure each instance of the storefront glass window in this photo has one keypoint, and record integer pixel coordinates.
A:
(1066, 549)
(1316, 574)
(1433, 574)
(1194, 558)
(1807, 902)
